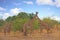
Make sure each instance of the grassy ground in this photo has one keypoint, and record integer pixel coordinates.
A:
(55, 35)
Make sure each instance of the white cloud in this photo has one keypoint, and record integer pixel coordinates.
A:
(55, 18)
(48, 2)
(2, 9)
(12, 12)
(5, 15)
(57, 3)
(15, 11)
(28, 2)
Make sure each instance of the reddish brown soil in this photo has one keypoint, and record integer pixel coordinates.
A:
(55, 35)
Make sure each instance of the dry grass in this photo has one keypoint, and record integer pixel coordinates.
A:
(35, 35)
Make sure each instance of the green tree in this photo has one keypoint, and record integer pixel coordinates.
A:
(31, 15)
(20, 19)
(36, 24)
(1, 22)
(50, 22)
(23, 15)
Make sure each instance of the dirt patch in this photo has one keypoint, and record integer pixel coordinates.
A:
(33, 36)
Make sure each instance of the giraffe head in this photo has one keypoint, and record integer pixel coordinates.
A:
(36, 13)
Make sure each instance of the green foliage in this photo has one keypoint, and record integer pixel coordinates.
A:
(31, 15)
(36, 24)
(11, 18)
(50, 22)
(1, 22)
(18, 24)
(22, 17)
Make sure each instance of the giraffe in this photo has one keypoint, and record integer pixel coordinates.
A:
(30, 24)
(43, 24)
(7, 28)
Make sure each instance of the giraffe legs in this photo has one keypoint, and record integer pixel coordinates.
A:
(41, 30)
(25, 31)
(5, 32)
(49, 31)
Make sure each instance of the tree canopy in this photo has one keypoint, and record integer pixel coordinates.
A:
(22, 17)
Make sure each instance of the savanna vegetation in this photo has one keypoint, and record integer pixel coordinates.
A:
(17, 21)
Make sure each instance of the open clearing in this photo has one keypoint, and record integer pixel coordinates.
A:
(34, 36)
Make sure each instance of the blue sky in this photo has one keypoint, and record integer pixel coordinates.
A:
(46, 8)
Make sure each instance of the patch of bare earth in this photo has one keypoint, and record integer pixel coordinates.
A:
(35, 35)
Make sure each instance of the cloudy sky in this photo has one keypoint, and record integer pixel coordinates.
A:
(46, 8)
